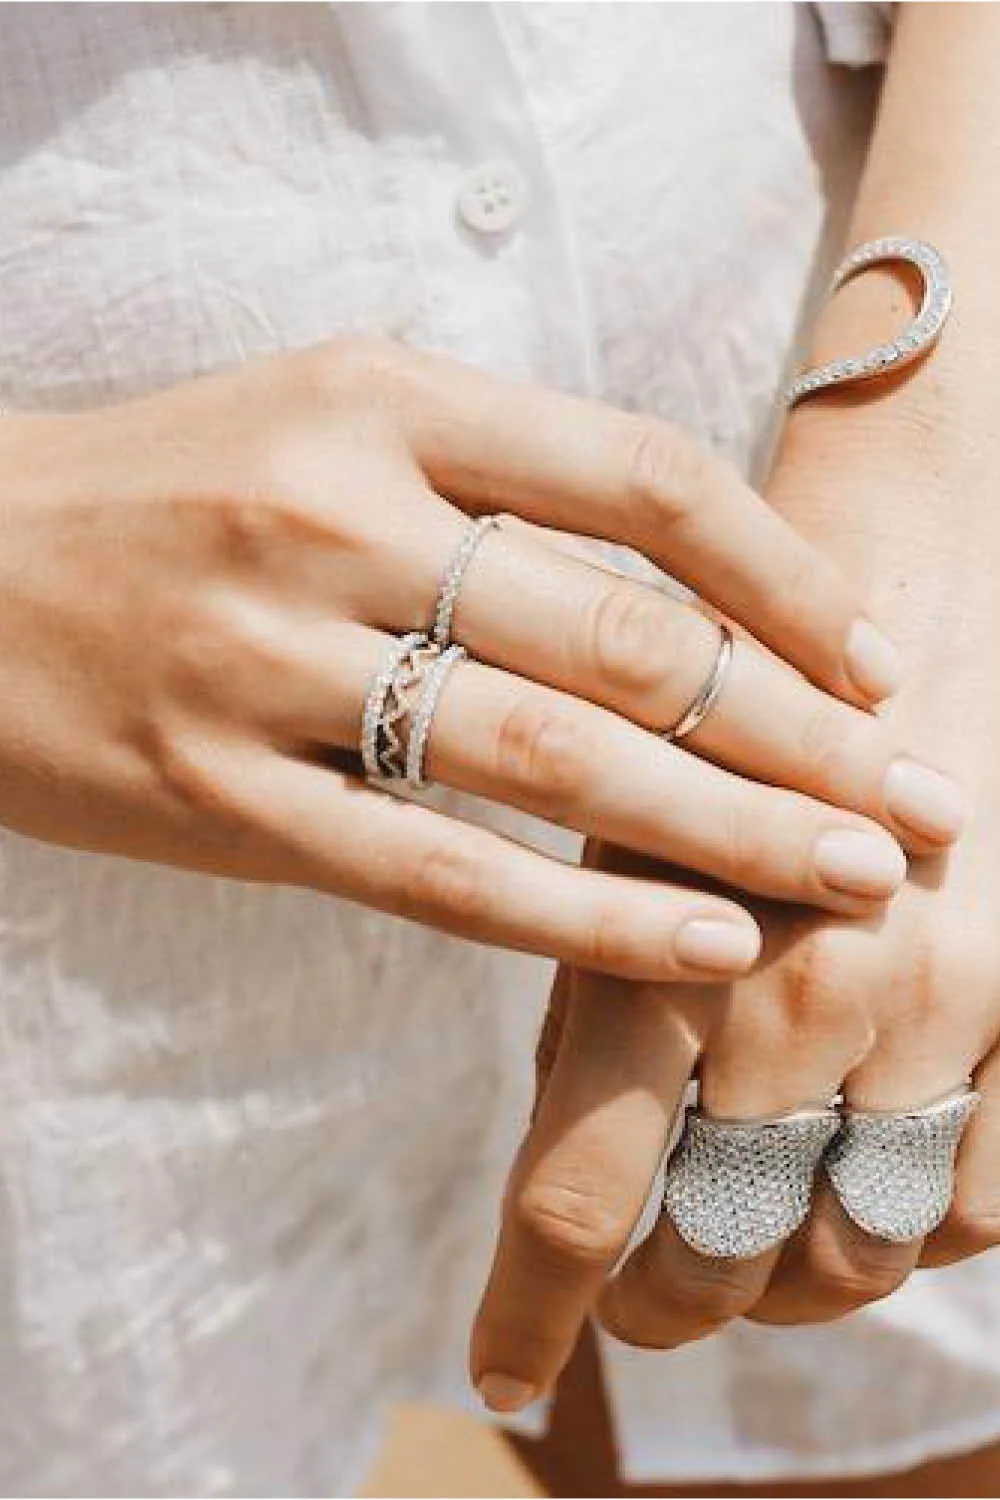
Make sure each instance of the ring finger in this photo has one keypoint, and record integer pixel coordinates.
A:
(572, 763)
(529, 606)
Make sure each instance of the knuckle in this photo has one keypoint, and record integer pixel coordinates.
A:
(193, 780)
(613, 943)
(368, 366)
(712, 1292)
(970, 1228)
(571, 1226)
(278, 507)
(802, 584)
(447, 879)
(539, 751)
(745, 842)
(838, 744)
(666, 471)
(853, 1280)
(817, 997)
(627, 640)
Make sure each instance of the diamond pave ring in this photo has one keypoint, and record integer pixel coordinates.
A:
(893, 1171)
(735, 1188)
(920, 335)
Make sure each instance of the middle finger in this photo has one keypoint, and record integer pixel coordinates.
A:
(527, 746)
(535, 609)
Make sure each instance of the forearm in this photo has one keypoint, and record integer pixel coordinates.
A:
(899, 481)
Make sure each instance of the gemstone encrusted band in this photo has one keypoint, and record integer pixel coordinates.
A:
(423, 718)
(915, 340)
(893, 1171)
(454, 574)
(735, 1188)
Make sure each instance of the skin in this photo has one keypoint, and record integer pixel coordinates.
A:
(898, 485)
(200, 586)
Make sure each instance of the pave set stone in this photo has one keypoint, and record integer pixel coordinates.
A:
(735, 1188)
(922, 332)
(380, 746)
(402, 696)
(893, 1173)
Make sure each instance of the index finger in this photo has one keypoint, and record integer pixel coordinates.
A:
(581, 466)
(581, 1178)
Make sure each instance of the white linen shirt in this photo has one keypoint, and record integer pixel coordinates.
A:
(252, 1141)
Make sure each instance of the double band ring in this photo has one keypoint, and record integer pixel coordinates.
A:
(399, 708)
(403, 695)
(734, 1189)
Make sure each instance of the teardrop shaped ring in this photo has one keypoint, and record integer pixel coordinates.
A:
(915, 340)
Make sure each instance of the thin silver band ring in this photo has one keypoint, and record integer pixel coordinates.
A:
(707, 695)
(454, 574)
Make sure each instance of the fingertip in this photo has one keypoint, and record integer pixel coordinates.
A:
(718, 947)
(872, 663)
(926, 802)
(505, 1394)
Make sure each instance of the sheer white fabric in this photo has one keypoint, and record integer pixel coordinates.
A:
(252, 1141)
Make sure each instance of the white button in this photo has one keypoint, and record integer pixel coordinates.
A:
(492, 197)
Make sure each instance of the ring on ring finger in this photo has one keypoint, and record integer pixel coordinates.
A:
(736, 1188)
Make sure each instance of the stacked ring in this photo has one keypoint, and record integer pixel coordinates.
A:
(403, 695)
(420, 727)
(454, 574)
(379, 742)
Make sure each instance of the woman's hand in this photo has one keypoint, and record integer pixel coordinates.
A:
(897, 1011)
(196, 588)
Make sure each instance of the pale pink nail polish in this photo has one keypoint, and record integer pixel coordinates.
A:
(925, 800)
(872, 661)
(719, 947)
(860, 864)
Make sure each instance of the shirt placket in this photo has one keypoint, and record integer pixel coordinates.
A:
(455, 61)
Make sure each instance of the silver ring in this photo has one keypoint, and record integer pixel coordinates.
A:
(708, 695)
(920, 335)
(735, 1188)
(423, 718)
(893, 1171)
(454, 574)
(389, 704)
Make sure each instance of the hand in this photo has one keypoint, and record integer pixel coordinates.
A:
(898, 1011)
(195, 589)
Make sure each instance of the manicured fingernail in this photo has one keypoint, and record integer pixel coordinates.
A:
(872, 661)
(860, 864)
(925, 800)
(719, 947)
(504, 1393)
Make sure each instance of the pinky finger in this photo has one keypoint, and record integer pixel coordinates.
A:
(317, 827)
